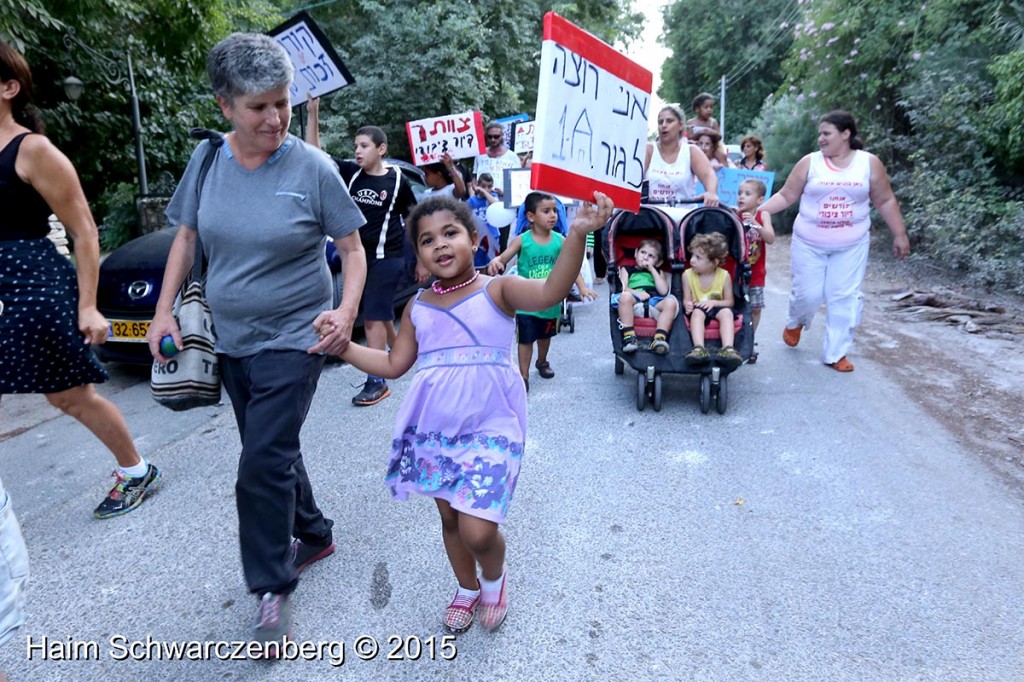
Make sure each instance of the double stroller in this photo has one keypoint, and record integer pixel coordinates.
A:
(624, 233)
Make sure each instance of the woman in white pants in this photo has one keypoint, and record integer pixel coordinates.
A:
(829, 254)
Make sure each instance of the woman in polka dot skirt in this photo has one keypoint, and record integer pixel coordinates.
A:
(47, 323)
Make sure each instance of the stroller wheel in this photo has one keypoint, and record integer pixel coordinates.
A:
(656, 393)
(572, 320)
(620, 366)
(641, 391)
(722, 396)
(705, 393)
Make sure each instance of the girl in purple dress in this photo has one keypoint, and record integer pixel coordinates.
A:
(460, 433)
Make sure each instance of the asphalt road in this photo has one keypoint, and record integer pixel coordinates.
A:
(825, 528)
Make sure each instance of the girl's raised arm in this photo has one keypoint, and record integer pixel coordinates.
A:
(516, 293)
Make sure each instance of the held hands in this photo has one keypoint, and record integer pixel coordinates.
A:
(163, 324)
(334, 330)
(592, 217)
(93, 325)
(495, 267)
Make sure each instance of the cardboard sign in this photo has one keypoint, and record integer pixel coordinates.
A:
(524, 137)
(517, 186)
(461, 135)
(729, 180)
(592, 110)
(318, 68)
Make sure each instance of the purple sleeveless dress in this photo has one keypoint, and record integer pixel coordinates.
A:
(460, 432)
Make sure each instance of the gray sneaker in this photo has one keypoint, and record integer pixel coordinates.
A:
(273, 623)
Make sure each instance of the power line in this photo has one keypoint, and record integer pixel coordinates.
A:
(782, 24)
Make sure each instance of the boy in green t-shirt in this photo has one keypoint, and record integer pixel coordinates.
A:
(537, 250)
(645, 282)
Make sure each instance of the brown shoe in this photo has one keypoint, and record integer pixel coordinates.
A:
(791, 336)
(842, 365)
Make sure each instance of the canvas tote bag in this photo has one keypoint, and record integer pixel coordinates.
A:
(192, 377)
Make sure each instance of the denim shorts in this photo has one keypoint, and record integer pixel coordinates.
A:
(756, 298)
(13, 571)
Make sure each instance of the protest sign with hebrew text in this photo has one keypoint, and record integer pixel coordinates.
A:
(318, 68)
(461, 135)
(592, 108)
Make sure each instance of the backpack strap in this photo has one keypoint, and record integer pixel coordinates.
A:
(215, 140)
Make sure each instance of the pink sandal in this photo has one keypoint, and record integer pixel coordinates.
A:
(493, 615)
(459, 614)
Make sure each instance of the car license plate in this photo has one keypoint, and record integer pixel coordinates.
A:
(133, 331)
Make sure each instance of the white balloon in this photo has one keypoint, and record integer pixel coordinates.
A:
(499, 216)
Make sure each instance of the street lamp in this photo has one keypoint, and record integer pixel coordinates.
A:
(74, 87)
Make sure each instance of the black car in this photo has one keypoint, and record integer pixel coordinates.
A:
(130, 279)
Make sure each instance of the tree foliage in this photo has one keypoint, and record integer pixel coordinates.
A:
(415, 60)
(743, 41)
(934, 85)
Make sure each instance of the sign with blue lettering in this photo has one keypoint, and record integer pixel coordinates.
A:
(729, 180)
(318, 68)
(592, 110)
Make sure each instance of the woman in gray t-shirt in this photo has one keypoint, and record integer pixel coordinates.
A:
(267, 204)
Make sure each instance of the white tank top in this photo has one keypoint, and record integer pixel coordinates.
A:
(835, 209)
(671, 182)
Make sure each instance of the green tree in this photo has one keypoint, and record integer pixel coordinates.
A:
(743, 41)
(414, 60)
(168, 41)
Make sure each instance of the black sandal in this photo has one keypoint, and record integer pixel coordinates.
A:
(544, 370)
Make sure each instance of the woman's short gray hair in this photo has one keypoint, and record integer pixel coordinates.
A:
(248, 64)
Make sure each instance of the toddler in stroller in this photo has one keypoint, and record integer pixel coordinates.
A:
(645, 293)
(708, 295)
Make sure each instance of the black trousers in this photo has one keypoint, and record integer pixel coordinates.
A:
(271, 393)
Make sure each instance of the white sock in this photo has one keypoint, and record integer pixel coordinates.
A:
(491, 589)
(137, 470)
(471, 595)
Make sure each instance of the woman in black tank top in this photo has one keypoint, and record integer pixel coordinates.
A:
(48, 314)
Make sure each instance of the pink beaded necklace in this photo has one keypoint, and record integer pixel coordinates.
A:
(441, 291)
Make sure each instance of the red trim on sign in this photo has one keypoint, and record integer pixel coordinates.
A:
(478, 124)
(595, 50)
(559, 181)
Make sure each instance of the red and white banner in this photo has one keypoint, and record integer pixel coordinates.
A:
(461, 135)
(592, 110)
